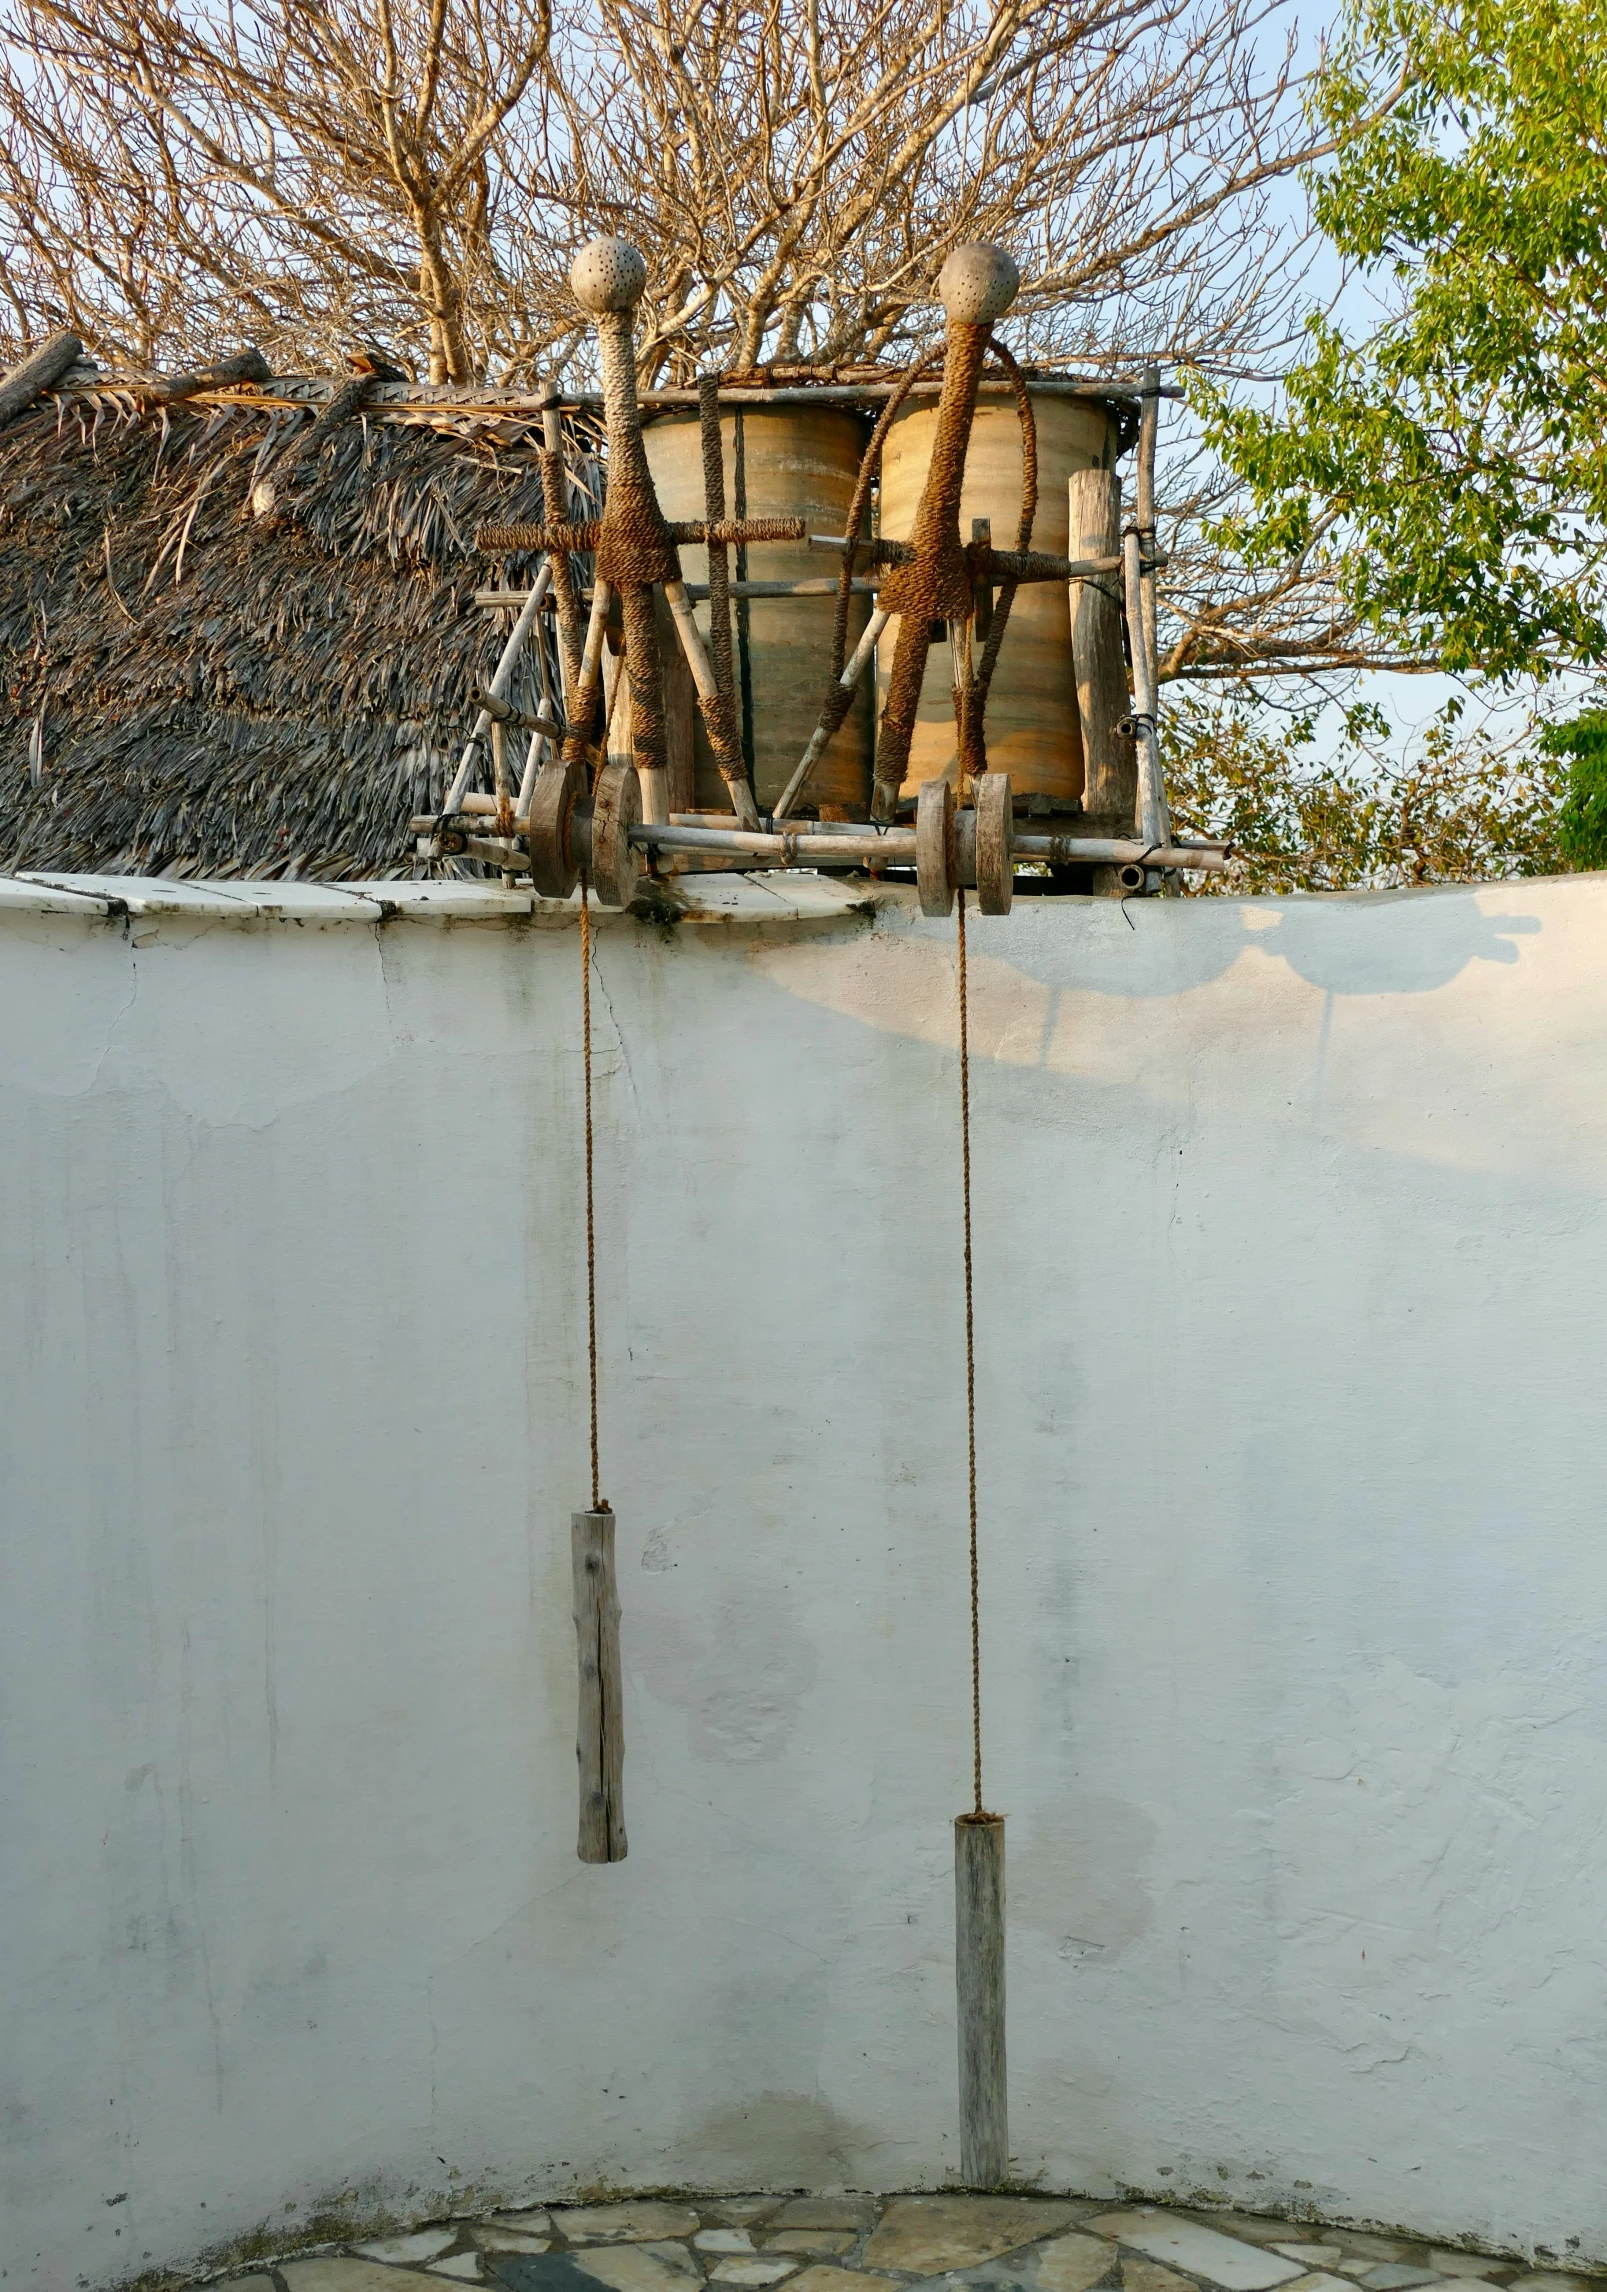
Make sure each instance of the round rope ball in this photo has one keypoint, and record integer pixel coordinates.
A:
(607, 274)
(977, 284)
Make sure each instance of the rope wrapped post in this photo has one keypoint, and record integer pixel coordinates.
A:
(637, 552)
(934, 577)
(634, 548)
(977, 285)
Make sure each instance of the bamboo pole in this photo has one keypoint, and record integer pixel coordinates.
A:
(500, 682)
(842, 843)
(1123, 851)
(979, 1977)
(1148, 430)
(862, 654)
(1153, 826)
(896, 847)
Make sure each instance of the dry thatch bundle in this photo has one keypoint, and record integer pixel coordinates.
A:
(240, 640)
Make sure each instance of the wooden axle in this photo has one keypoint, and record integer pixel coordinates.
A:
(827, 843)
(509, 600)
(1005, 564)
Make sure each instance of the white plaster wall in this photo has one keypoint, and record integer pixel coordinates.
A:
(1291, 1261)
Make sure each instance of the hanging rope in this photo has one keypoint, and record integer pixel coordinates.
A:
(970, 1366)
(597, 1503)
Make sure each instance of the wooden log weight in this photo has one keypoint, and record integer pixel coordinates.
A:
(979, 1984)
(600, 1737)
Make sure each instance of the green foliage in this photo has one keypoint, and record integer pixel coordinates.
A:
(1451, 466)
(1455, 808)
(1582, 825)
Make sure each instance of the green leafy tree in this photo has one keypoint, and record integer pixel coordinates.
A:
(1582, 824)
(1448, 466)
(1362, 813)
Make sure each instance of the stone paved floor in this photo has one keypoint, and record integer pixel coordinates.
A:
(893, 2244)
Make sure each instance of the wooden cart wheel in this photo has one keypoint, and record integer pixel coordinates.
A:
(553, 867)
(616, 864)
(995, 843)
(934, 847)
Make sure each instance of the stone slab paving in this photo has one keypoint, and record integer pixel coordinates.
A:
(851, 2243)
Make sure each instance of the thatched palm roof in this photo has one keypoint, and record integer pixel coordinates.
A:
(197, 685)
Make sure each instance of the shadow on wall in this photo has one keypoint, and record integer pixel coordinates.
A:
(1389, 943)
(1029, 974)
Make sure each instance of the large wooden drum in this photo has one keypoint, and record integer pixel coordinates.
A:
(1032, 728)
(780, 461)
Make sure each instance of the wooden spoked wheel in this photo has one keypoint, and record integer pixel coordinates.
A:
(934, 847)
(553, 866)
(616, 808)
(995, 843)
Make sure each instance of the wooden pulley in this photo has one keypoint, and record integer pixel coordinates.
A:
(616, 807)
(985, 842)
(553, 865)
(934, 847)
(995, 842)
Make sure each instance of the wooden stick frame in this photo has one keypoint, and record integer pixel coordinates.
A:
(567, 822)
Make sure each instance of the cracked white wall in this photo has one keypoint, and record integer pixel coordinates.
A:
(1291, 1252)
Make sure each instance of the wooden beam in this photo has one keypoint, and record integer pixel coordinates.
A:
(244, 366)
(1110, 767)
(21, 385)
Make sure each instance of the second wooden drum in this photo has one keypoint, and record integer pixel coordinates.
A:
(1032, 728)
(780, 461)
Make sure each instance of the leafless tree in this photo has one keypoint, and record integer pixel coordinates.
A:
(419, 170)
(180, 176)
(299, 171)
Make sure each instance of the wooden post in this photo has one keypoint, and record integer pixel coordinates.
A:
(600, 1745)
(172, 389)
(1110, 766)
(979, 1981)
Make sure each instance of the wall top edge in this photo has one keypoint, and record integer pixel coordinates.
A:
(709, 899)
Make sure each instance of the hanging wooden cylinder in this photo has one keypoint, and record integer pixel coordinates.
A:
(979, 1985)
(600, 1733)
(780, 461)
(1032, 727)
